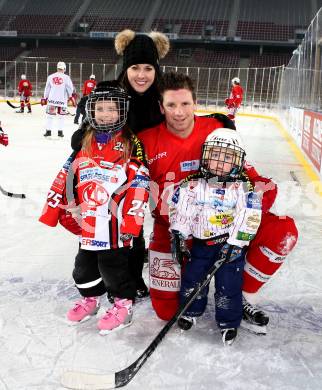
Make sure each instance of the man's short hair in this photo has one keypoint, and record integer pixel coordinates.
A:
(174, 81)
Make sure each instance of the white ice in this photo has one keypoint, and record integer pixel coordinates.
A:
(36, 287)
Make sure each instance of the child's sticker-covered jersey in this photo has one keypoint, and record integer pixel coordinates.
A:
(206, 210)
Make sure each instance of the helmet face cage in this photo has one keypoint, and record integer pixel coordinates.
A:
(222, 159)
(107, 110)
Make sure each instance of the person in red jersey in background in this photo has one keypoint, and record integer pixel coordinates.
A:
(88, 86)
(24, 91)
(235, 98)
(173, 153)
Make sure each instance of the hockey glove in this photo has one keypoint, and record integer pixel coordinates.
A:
(4, 138)
(179, 247)
(232, 252)
(43, 101)
(126, 237)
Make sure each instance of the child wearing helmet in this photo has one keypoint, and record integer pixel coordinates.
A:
(24, 91)
(110, 189)
(217, 209)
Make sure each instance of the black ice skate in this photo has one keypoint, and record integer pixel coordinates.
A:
(186, 322)
(228, 335)
(60, 133)
(142, 290)
(254, 319)
(47, 134)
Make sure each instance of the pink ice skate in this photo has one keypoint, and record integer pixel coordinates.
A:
(118, 317)
(83, 310)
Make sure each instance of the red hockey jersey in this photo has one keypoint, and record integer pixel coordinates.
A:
(25, 88)
(111, 192)
(171, 158)
(88, 86)
(236, 95)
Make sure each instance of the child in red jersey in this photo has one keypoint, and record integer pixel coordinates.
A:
(109, 185)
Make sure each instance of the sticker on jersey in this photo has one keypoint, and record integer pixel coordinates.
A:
(175, 196)
(95, 195)
(140, 181)
(187, 166)
(59, 182)
(222, 219)
(253, 201)
(99, 174)
(253, 221)
(243, 236)
(88, 242)
(273, 257)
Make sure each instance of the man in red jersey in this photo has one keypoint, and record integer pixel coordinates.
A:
(173, 150)
(235, 98)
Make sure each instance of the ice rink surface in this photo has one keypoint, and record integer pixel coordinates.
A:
(36, 288)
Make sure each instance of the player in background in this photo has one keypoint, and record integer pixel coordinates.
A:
(110, 184)
(219, 210)
(88, 86)
(235, 98)
(59, 89)
(3, 137)
(24, 91)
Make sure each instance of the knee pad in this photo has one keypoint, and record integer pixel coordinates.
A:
(275, 239)
(165, 278)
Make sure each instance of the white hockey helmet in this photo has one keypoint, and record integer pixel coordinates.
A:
(223, 146)
(235, 80)
(61, 65)
(23, 77)
(92, 76)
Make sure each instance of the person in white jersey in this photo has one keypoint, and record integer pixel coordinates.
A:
(58, 91)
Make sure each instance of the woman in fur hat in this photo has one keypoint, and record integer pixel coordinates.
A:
(141, 77)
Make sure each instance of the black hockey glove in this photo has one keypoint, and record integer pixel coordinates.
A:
(226, 122)
(179, 247)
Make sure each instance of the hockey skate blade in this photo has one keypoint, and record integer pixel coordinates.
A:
(86, 381)
(259, 330)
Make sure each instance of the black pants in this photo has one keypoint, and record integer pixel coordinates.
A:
(136, 260)
(95, 272)
(80, 110)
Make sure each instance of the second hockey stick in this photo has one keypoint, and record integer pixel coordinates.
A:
(12, 194)
(86, 381)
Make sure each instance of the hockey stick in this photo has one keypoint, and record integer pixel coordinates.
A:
(86, 381)
(13, 106)
(12, 194)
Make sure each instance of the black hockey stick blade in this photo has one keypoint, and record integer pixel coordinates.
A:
(11, 105)
(12, 194)
(87, 381)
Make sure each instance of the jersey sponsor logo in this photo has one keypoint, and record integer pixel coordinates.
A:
(58, 80)
(273, 257)
(157, 157)
(90, 242)
(253, 221)
(91, 174)
(253, 201)
(164, 273)
(191, 165)
(55, 102)
(243, 236)
(140, 182)
(222, 219)
(95, 195)
(175, 196)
